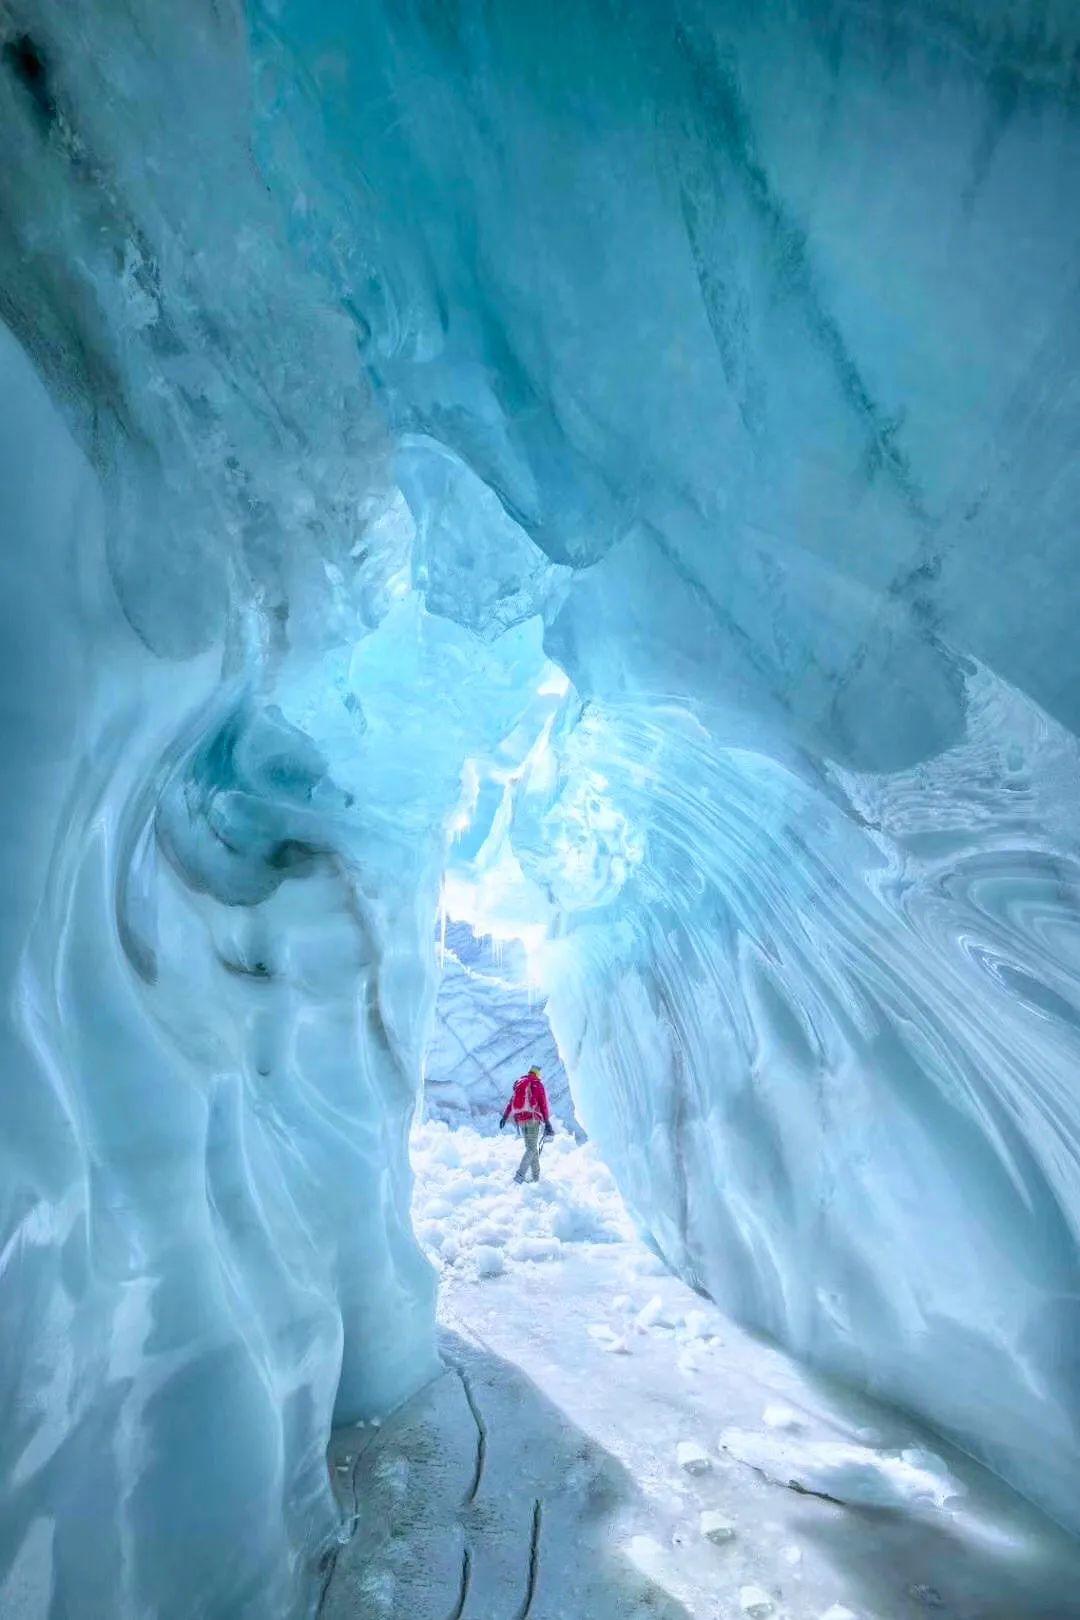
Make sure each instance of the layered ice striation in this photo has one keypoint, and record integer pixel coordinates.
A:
(619, 462)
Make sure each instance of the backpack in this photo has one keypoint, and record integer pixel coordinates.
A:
(524, 1104)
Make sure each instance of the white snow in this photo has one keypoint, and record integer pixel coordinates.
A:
(468, 1206)
(534, 1317)
(534, 1248)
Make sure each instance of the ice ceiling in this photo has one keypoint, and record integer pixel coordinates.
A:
(616, 463)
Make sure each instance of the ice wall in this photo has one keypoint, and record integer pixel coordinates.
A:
(762, 320)
(205, 1220)
(235, 738)
(360, 360)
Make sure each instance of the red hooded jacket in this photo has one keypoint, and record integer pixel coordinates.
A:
(528, 1103)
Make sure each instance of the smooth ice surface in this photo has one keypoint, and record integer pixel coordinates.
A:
(605, 471)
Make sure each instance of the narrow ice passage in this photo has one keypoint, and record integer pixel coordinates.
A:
(602, 472)
(606, 1444)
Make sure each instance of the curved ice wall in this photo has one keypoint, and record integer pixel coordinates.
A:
(235, 741)
(361, 359)
(762, 320)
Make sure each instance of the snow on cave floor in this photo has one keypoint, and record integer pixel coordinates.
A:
(605, 1443)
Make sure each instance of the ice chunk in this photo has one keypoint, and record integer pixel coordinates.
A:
(649, 1315)
(715, 1527)
(495, 1233)
(691, 1357)
(487, 1260)
(755, 1602)
(838, 1611)
(535, 1248)
(781, 1417)
(649, 1556)
(576, 1222)
(608, 1340)
(844, 1470)
(692, 1457)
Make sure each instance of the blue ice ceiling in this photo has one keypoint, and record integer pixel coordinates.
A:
(611, 464)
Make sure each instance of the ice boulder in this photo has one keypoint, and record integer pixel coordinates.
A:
(715, 1527)
(692, 1457)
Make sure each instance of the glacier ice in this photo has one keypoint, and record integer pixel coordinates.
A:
(489, 1028)
(616, 465)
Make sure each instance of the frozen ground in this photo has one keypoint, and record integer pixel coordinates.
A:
(606, 1444)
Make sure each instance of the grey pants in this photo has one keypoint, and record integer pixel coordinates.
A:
(531, 1157)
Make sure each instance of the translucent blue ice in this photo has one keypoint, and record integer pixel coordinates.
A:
(619, 464)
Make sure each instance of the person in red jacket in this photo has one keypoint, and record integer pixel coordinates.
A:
(528, 1108)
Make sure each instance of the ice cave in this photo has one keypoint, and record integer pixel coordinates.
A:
(540, 527)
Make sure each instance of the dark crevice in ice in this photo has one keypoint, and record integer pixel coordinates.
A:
(534, 1561)
(25, 59)
(463, 1594)
(481, 1434)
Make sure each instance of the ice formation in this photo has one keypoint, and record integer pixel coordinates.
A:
(490, 1026)
(618, 465)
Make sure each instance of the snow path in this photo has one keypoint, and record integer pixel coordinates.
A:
(605, 1445)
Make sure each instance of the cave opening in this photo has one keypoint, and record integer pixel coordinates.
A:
(593, 474)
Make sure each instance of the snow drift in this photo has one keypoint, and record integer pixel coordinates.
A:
(625, 455)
